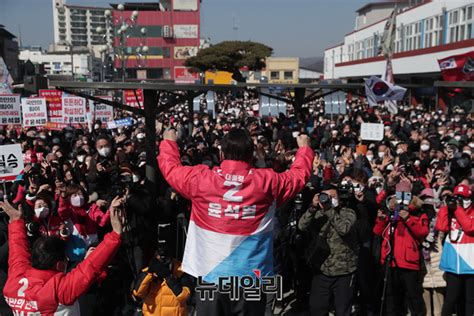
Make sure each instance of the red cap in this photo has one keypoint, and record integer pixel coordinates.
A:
(463, 190)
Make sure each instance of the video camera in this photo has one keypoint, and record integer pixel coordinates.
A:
(345, 190)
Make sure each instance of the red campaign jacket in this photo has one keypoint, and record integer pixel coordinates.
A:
(408, 236)
(233, 206)
(50, 226)
(85, 220)
(29, 291)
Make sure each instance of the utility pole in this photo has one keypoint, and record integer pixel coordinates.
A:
(235, 28)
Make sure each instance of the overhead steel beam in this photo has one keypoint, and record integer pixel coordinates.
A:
(114, 104)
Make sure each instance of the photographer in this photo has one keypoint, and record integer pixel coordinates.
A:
(403, 228)
(103, 170)
(457, 220)
(332, 253)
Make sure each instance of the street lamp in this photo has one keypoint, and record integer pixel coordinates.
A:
(124, 26)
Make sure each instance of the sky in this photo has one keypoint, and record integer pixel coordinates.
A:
(302, 28)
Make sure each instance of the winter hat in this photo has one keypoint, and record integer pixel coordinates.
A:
(403, 186)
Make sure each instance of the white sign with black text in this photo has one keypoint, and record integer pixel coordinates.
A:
(11, 162)
(34, 112)
(372, 131)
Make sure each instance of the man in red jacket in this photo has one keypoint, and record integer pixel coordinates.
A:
(230, 233)
(37, 283)
(402, 235)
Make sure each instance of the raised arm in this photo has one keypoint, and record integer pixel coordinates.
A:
(467, 222)
(76, 282)
(19, 251)
(291, 182)
(181, 178)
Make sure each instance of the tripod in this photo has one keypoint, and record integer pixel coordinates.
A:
(390, 257)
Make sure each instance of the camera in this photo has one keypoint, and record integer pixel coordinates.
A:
(298, 201)
(451, 203)
(324, 199)
(345, 190)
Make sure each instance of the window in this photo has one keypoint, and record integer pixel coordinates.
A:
(288, 75)
(155, 73)
(274, 75)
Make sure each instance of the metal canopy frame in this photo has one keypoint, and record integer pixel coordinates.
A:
(152, 92)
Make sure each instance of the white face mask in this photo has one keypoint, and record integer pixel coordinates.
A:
(41, 212)
(196, 123)
(457, 119)
(135, 178)
(140, 136)
(466, 203)
(336, 147)
(81, 158)
(399, 151)
(425, 147)
(457, 138)
(370, 158)
(381, 154)
(77, 200)
(334, 202)
(104, 151)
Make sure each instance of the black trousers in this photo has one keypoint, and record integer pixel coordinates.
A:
(221, 305)
(403, 283)
(459, 289)
(340, 288)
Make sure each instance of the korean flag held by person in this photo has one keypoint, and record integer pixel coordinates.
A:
(378, 90)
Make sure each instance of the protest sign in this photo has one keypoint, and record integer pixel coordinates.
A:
(372, 131)
(34, 112)
(11, 162)
(74, 111)
(100, 111)
(120, 123)
(54, 104)
(10, 109)
(130, 99)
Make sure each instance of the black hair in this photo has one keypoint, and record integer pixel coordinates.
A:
(47, 251)
(238, 145)
(103, 136)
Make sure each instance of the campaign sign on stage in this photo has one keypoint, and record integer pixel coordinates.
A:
(120, 123)
(10, 109)
(74, 111)
(34, 112)
(11, 162)
(372, 131)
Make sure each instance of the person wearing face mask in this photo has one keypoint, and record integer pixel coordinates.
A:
(403, 228)
(456, 219)
(332, 253)
(82, 220)
(41, 221)
(37, 275)
(103, 170)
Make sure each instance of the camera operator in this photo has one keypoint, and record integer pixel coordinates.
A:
(103, 170)
(355, 194)
(456, 218)
(332, 253)
(403, 228)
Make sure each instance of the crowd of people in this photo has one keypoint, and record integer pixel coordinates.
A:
(370, 226)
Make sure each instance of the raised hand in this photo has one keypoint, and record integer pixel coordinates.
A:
(13, 213)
